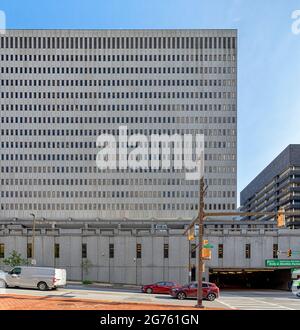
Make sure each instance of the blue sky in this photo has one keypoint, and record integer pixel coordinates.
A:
(269, 53)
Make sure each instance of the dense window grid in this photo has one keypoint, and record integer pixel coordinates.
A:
(117, 42)
(205, 103)
(280, 191)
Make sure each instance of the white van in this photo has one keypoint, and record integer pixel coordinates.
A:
(296, 274)
(43, 278)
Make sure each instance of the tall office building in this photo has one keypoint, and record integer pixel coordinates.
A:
(61, 89)
(277, 186)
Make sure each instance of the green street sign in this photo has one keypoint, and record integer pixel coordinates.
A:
(208, 246)
(282, 262)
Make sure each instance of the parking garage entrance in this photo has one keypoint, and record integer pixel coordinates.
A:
(263, 278)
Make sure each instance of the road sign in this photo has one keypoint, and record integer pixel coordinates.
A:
(208, 246)
(282, 262)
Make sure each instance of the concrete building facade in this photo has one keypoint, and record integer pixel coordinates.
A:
(143, 252)
(61, 89)
(278, 185)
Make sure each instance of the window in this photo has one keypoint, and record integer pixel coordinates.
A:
(193, 250)
(16, 271)
(56, 250)
(248, 251)
(1, 250)
(166, 251)
(220, 251)
(111, 251)
(29, 250)
(84, 250)
(275, 251)
(139, 251)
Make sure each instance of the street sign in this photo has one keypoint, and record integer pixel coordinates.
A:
(208, 246)
(282, 262)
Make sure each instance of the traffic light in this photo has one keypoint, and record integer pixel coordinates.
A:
(206, 252)
(191, 234)
(281, 217)
(289, 252)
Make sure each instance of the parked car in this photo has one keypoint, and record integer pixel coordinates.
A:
(159, 287)
(43, 278)
(210, 291)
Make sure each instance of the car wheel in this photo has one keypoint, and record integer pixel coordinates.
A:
(149, 290)
(3, 284)
(181, 295)
(42, 286)
(211, 297)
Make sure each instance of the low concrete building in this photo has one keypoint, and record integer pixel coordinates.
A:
(139, 252)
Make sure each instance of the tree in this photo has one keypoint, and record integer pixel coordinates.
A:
(86, 265)
(14, 259)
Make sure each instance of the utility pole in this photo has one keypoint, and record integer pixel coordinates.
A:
(190, 269)
(33, 239)
(200, 243)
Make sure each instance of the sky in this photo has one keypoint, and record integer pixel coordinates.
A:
(268, 55)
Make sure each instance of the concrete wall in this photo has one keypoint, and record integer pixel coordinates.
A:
(125, 268)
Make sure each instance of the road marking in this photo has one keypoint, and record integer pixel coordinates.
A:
(252, 303)
(269, 303)
(225, 304)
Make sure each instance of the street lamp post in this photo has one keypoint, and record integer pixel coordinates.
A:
(33, 239)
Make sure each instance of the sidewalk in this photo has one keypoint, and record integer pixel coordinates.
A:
(106, 285)
(26, 302)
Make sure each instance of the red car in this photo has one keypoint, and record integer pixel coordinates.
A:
(159, 287)
(210, 291)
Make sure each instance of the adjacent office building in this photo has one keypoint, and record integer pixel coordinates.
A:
(61, 89)
(278, 185)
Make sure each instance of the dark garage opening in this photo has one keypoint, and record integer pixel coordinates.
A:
(251, 278)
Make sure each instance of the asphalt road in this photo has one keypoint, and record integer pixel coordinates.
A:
(237, 299)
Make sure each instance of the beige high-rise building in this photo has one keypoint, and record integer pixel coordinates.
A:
(61, 89)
